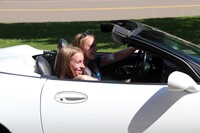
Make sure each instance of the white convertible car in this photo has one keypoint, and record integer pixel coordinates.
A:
(155, 90)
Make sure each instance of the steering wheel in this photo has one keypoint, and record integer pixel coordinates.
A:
(139, 66)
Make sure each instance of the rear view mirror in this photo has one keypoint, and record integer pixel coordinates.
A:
(119, 34)
(179, 81)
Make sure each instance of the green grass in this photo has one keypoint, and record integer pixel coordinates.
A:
(46, 35)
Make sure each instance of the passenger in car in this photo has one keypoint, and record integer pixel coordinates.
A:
(87, 43)
(69, 64)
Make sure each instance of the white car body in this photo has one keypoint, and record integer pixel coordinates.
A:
(33, 104)
(164, 98)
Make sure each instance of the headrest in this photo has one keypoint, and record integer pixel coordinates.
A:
(42, 66)
(62, 43)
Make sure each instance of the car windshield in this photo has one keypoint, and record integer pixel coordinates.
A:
(167, 40)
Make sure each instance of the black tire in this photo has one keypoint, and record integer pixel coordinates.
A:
(3, 129)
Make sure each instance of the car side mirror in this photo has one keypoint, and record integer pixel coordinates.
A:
(179, 81)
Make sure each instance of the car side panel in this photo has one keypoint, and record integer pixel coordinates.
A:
(117, 108)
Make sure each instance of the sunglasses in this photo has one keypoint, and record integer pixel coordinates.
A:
(93, 44)
(84, 34)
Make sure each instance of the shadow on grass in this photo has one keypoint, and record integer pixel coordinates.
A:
(48, 33)
(51, 32)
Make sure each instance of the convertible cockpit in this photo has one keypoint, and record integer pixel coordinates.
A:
(153, 62)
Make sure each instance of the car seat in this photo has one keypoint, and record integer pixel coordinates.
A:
(42, 66)
(62, 43)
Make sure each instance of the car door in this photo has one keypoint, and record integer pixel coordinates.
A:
(96, 107)
(20, 102)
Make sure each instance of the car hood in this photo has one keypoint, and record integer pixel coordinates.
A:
(20, 50)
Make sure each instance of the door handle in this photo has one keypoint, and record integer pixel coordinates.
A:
(70, 97)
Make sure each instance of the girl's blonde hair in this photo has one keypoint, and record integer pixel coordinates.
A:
(62, 63)
(80, 39)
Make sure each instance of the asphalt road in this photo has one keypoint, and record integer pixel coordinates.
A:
(92, 10)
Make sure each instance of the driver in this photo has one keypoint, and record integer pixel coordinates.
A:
(86, 42)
